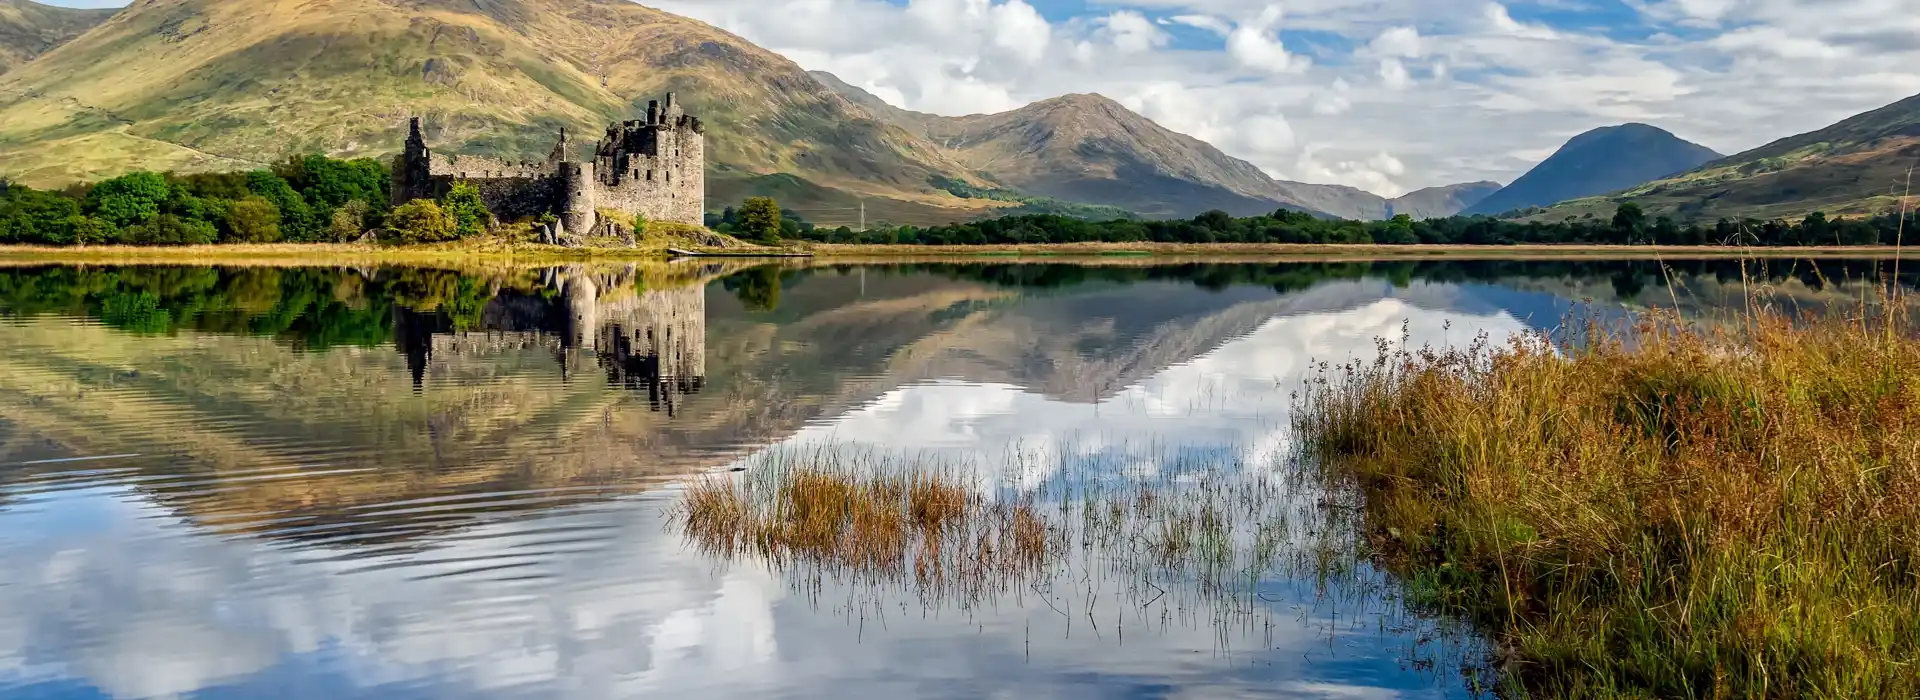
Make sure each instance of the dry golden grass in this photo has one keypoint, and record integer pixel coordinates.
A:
(1664, 512)
(890, 526)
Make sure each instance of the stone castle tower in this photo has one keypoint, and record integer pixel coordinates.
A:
(655, 168)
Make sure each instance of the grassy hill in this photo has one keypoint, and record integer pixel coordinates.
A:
(1857, 167)
(28, 29)
(1603, 160)
(213, 84)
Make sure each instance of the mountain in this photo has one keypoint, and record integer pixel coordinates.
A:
(199, 84)
(1436, 202)
(1858, 166)
(1604, 160)
(28, 29)
(1088, 148)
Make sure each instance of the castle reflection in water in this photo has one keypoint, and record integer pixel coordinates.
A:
(651, 340)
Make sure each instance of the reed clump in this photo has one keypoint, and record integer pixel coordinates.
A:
(1658, 512)
(902, 525)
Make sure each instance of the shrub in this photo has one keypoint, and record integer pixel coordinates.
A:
(254, 220)
(469, 212)
(348, 221)
(421, 221)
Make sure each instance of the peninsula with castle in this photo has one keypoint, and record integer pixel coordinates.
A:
(654, 168)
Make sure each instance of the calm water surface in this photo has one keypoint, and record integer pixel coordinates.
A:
(396, 483)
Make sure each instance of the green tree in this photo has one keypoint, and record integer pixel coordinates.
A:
(348, 221)
(254, 220)
(93, 230)
(33, 216)
(133, 198)
(760, 219)
(421, 221)
(328, 184)
(1215, 220)
(1398, 231)
(171, 229)
(296, 217)
(1629, 221)
(469, 212)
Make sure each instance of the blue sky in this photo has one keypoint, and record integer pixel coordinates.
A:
(1385, 95)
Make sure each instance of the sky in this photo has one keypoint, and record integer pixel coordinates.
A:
(1384, 95)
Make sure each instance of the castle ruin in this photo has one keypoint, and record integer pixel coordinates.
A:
(655, 168)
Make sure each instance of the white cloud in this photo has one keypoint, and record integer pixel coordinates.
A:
(1399, 42)
(1209, 23)
(1132, 32)
(1393, 74)
(1019, 29)
(1448, 87)
(1255, 45)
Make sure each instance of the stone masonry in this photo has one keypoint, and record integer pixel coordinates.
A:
(655, 168)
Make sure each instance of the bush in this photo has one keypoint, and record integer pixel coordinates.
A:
(421, 221)
(469, 212)
(348, 221)
(254, 220)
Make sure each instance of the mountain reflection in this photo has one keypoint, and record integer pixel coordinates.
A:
(368, 408)
(422, 483)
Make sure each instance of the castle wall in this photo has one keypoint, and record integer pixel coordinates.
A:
(655, 168)
(676, 190)
(511, 190)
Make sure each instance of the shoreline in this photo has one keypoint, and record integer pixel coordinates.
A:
(1318, 252)
(328, 254)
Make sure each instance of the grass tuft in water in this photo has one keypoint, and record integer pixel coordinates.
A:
(1657, 513)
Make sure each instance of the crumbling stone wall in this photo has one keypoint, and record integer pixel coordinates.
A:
(655, 168)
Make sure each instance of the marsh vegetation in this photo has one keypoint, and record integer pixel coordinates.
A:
(1663, 511)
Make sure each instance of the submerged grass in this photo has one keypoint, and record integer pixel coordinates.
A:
(1664, 512)
(924, 525)
(1214, 539)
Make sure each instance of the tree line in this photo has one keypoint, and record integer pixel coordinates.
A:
(314, 198)
(1630, 225)
(305, 199)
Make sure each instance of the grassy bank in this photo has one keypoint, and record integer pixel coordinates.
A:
(523, 254)
(1655, 514)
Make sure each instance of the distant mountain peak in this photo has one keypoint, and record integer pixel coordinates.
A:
(1854, 167)
(1600, 161)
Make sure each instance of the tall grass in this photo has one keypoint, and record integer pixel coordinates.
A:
(924, 526)
(1661, 512)
(1214, 539)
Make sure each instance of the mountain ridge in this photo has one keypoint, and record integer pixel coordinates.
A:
(1130, 160)
(1597, 162)
(1858, 166)
(29, 29)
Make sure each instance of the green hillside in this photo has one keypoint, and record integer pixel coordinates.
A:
(217, 84)
(1858, 167)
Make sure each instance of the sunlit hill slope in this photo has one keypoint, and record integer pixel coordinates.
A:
(202, 84)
